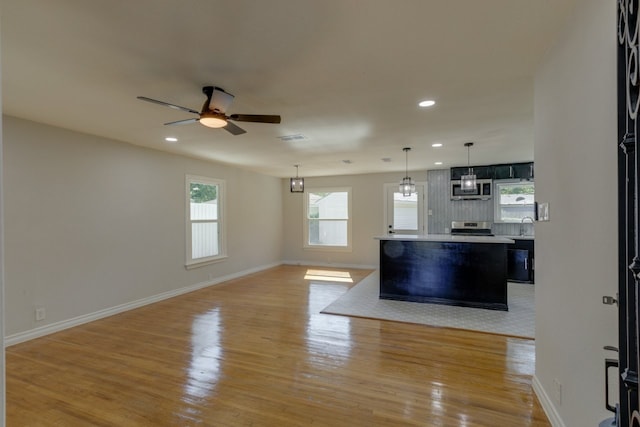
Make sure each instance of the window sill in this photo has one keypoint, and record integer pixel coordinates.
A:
(327, 248)
(208, 261)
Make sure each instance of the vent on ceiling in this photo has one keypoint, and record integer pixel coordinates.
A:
(295, 137)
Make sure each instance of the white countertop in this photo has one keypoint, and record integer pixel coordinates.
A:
(518, 237)
(446, 238)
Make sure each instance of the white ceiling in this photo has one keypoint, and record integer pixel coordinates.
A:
(345, 74)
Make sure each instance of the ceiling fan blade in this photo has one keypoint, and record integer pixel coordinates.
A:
(258, 118)
(182, 122)
(234, 129)
(166, 104)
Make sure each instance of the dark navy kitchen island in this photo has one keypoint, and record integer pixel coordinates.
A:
(467, 271)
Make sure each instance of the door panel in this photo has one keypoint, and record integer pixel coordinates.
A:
(404, 215)
(628, 208)
(518, 265)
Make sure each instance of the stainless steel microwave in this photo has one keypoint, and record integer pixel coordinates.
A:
(481, 192)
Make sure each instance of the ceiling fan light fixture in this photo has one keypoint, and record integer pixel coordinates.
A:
(213, 120)
(213, 112)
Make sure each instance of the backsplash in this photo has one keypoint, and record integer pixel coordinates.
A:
(444, 210)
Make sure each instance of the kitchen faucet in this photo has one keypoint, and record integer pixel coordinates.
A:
(522, 224)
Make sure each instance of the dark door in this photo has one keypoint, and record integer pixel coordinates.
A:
(518, 265)
(628, 205)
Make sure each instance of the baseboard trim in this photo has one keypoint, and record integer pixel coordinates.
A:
(86, 318)
(330, 264)
(547, 404)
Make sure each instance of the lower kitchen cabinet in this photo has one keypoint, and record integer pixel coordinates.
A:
(520, 261)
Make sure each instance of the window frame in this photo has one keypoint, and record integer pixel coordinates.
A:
(497, 217)
(305, 220)
(190, 262)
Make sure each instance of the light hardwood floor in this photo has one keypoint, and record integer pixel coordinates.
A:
(257, 352)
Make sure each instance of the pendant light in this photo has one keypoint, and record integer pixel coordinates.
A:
(468, 182)
(407, 186)
(296, 184)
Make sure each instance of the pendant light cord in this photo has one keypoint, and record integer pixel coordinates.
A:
(406, 162)
(468, 145)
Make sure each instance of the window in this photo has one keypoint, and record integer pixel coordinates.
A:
(514, 201)
(328, 219)
(205, 230)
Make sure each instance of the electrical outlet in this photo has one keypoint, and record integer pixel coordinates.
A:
(557, 391)
(40, 314)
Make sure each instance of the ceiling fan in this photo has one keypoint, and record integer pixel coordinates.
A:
(214, 111)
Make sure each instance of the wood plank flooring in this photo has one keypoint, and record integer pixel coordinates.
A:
(256, 351)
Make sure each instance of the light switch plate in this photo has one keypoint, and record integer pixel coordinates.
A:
(543, 211)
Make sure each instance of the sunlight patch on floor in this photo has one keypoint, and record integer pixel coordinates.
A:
(328, 276)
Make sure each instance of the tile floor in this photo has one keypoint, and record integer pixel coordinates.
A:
(362, 301)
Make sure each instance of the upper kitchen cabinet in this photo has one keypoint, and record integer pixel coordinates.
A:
(481, 172)
(523, 170)
(502, 172)
(513, 171)
(456, 173)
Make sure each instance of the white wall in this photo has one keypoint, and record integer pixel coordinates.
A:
(367, 211)
(2, 354)
(576, 252)
(93, 223)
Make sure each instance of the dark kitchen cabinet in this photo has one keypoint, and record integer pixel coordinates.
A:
(502, 172)
(456, 173)
(513, 171)
(523, 170)
(520, 261)
(481, 172)
(517, 265)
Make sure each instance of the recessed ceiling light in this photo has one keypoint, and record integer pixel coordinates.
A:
(347, 161)
(438, 163)
(171, 139)
(427, 103)
(386, 159)
(437, 145)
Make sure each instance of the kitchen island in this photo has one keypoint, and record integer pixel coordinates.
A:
(444, 269)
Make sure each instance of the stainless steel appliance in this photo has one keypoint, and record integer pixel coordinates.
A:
(482, 190)
(471, 228)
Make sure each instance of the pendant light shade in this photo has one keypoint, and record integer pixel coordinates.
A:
(296, 184)
(468, 182)
(407, 186)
